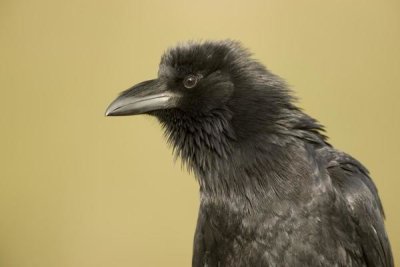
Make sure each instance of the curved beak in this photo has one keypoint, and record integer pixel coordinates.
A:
(141, 98)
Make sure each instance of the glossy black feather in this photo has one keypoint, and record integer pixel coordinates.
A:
(273, 191)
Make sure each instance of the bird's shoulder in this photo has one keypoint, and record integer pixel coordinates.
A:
(352, 182)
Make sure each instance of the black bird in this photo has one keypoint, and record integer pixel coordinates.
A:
(273, 191)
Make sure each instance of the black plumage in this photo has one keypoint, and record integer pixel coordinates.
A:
(273, 191)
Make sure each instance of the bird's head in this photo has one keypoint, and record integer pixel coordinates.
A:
(195, 78)
(210, 97)
(201, 79)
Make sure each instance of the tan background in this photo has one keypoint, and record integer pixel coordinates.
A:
(80, 189)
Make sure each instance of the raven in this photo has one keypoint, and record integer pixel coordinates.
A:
(273, 191)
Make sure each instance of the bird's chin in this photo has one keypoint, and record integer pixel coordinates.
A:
(157, 113)
(161, 113)
(168, 116)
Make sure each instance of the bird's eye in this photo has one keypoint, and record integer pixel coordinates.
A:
(190, 81)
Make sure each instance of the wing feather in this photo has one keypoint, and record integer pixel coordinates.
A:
(352, 180)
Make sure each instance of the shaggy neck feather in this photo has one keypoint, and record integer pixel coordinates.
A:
(209, 146)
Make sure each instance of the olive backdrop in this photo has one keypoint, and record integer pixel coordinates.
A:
(80, 189)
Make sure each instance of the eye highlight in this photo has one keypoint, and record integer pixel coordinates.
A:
(190, 81)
